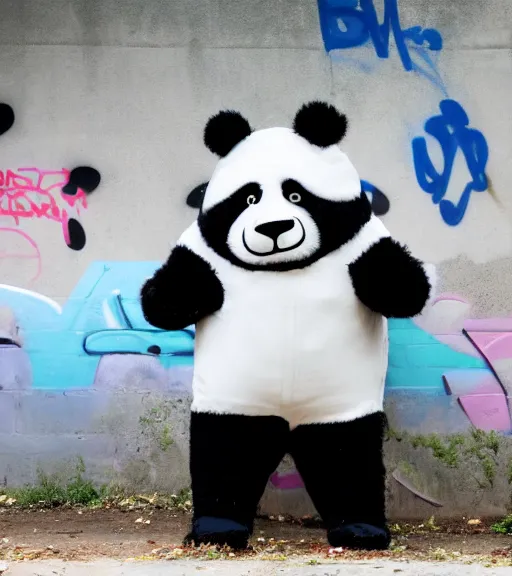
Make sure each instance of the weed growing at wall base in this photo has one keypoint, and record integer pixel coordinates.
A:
(454, 450)
(51, 491)
(503, 526)
(446, 452)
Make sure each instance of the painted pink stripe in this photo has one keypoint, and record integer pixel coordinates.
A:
(489, 325)
(290, 481)
(489, 412)
(37, 254)
(500, 349)
(494, 345)
(449, 296)
(470, 382)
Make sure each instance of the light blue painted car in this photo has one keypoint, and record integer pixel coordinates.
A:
(102, 316)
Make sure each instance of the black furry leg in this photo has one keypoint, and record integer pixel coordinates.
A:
(343, 471)
(231, 460)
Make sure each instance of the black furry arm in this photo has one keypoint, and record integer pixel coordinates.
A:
(389, 281)
(182, 292)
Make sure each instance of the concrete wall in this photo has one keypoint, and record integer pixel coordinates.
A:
(125, 88)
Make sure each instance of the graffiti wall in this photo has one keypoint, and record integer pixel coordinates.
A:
(102, 166)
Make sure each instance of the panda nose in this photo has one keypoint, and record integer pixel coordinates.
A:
(274, 229)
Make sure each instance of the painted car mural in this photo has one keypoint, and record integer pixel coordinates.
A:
(44, 345)
(65, 344)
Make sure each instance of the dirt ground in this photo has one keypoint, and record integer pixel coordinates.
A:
(72, 534)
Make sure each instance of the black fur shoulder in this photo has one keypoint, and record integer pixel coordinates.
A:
(388, 280)
(182, 292)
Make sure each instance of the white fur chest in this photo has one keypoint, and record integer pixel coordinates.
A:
(294, 344)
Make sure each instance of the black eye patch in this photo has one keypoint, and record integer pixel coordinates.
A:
(337, 222)
(216, 222)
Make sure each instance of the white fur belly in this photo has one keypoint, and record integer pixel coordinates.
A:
(297, 345)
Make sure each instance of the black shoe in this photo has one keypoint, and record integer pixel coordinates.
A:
(218, 532)
(360, 536)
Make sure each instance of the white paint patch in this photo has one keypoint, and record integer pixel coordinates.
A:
(33, 295)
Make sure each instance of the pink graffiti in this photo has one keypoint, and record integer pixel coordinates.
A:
(492, 337)
(448, 296)
(481, 396)
(33, 252)
(480, 392)
(32, 193)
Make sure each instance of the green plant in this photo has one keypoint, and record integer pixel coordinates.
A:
(453, 450)
(213, 555)
(504, 526)
(430, 524)
(392, 434)
(79, 490)
(182, 500)
(165, 439)
(509, 471)
(155, 423)
(50, 491)
(447, 452)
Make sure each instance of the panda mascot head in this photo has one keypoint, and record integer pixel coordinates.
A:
(289, 279)
(281, 198)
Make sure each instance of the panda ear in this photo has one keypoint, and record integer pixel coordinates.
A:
(320, 124)
(224, 131)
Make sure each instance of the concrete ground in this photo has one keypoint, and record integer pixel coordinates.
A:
(162, 568)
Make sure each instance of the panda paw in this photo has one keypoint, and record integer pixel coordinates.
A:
(360, 536)
(218, 532)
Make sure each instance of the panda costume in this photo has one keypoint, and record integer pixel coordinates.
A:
(289, 279)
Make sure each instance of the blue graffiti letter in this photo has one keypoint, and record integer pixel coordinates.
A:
(351, 23)
(451, 130)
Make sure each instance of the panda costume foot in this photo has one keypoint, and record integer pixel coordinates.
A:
(218, 532)
(360, 536)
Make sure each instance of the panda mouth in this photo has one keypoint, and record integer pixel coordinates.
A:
(275, 249)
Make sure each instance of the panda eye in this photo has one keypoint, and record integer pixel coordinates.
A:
(251, 199)
(295, 197)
